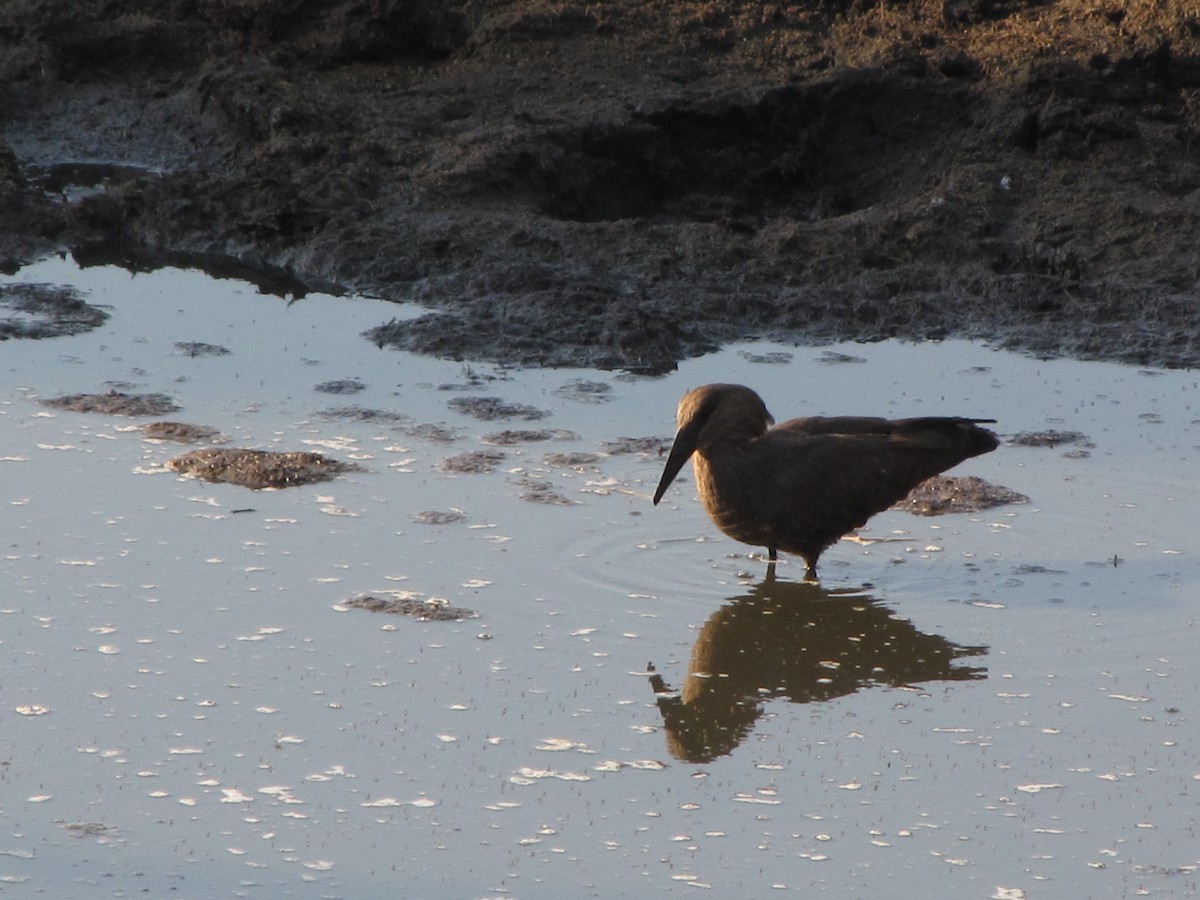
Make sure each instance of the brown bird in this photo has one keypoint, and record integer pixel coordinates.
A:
(802, 485)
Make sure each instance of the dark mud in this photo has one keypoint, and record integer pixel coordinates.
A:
(511, 436)
(1050, 438)
(535, 491)
(431, 431)
(259, 469)
(363, 414)
(406, 603)
(472, 462)
(578, 460)
(943, 494)
(115, 403)
(439, 517)
(199, 348)
(43, 311)
(627, 184)
(488, 409)
(340, 386)
(183, 433)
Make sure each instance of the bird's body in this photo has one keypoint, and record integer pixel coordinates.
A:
(801, 485)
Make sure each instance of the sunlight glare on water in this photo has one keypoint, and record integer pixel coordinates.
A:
(994, 704)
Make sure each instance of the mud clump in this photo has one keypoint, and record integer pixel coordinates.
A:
(649, 446)
(439, 517)
(1050, 438)
(584, 391)
(528, 436)
(489, 409)
(340, 386)
(259, 469)
(579, 460)
(473, 462)
(116, 403)
(183, 433)
(199, 348)
(535, 491)
(429, 431)
(45, 311)
(364, 414)
(409, 603)
(944, 494)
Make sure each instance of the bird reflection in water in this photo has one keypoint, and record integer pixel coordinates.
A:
(797, 641)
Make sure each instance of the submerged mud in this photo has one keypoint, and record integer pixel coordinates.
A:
(629, 184)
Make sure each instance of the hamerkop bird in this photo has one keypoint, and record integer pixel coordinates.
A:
(803, 484)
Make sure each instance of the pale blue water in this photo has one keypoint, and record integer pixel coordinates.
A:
(190, 711)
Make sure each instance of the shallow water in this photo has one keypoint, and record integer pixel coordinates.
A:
(990, 705)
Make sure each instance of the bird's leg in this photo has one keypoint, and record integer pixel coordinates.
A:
(771, 554)
(810, 573)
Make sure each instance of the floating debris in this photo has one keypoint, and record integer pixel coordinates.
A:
(340, 386)
(259, 469)
(183, 433)
(489, 409)
(116, 403)
(199, 348)
(410, 603)
(473, 462)
(439, 517)
(526, 436)
(957, 494)
(43, 311)
(1050, 438)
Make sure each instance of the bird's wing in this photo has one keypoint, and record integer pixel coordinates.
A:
(842, 477)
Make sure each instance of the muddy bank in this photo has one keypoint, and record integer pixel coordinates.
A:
(628, 184)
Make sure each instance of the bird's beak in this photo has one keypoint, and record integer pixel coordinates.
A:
(681, 451)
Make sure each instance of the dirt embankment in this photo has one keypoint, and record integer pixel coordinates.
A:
(627, 183)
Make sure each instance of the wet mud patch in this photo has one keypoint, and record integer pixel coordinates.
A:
(775, 357)
(363, 414)
(944, 494)
(115, 403)
(199, 348)
(651, 446)
(340, 386)
(472, 462)
(1051, 438)
(411, 604)
(439, 517)
(579, 460)
(536, 491)
(43, 311)
(432, 431)
(528, 436)
(489, 409)
(183, 433)
(259, 469)
(582, 390)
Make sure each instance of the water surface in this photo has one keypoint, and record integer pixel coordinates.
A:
(987, 705)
